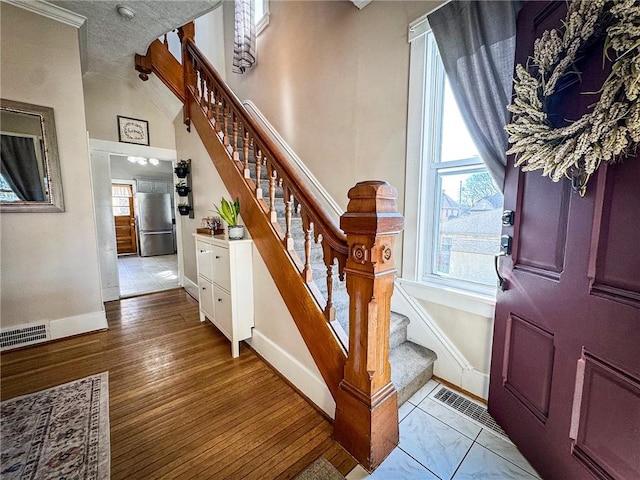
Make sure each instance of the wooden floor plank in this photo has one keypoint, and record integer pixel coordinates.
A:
(180, 406)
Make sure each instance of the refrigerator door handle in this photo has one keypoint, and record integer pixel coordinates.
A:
(163, 232)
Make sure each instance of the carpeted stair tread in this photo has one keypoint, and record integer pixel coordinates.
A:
(398, 330)
(411, 368)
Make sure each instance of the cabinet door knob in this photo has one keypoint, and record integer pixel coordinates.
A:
(219, 299)
(202, 251)
(204, 288)
(217, 257)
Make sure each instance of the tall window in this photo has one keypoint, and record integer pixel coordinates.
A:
(261, 14)
(461, 206)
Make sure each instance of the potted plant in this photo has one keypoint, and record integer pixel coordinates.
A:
(229, 212)
(182, 168)
(184, 208)
(182, 189)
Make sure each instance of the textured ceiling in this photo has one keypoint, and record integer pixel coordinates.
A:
(111, 40)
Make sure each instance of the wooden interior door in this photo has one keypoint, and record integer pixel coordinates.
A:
(565, 372)
(124, 219)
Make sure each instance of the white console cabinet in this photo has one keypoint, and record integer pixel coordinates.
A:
(225, 285)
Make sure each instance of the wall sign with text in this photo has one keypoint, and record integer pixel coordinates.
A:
(132, 130)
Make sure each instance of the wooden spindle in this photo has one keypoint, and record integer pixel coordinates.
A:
(288, 203)
(200, 87)
(245, 152)
(210, 104)
(217, 113)
(258, 158)
(165, 41)
(273, 175)
(329, 309)
(225, 113)
(366, 421)
(234, 142)
(307, 227)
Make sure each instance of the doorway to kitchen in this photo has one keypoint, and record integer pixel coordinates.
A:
(144, 222)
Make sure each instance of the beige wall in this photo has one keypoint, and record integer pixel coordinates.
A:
(49, 261)
(333, 81)
(470, 333)
(106, 98)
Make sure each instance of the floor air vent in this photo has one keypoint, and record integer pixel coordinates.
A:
(23, 336)
(471, 409)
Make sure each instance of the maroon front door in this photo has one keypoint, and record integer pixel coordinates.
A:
(565, 372)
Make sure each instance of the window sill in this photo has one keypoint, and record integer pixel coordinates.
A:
(475, 303)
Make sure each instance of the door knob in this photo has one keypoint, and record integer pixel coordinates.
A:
(501, 280)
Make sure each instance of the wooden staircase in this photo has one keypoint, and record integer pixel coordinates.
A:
(336, 280)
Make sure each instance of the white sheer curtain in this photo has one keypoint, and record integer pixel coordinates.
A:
(244, 44)
(476, 41)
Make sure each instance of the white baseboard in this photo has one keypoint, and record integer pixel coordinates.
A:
(66, 327)
(476, 382)
(190, 287)
(306, 381)
(451, 365)
(110, 293)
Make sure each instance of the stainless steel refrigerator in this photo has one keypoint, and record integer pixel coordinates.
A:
(155, 224)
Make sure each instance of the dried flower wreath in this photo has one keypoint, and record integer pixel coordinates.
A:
(612, 128)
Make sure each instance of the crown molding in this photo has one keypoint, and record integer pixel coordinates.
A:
(49, 10)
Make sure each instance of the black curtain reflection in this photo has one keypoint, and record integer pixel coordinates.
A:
(19, 167)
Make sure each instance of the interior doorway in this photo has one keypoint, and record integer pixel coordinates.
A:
(144, 223)
(116, 180)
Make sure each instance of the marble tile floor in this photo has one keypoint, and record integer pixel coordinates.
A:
(147, 274)
(439, 443)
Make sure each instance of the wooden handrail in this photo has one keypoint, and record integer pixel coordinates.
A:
(158, 60)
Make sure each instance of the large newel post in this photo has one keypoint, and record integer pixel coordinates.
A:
(366, 422)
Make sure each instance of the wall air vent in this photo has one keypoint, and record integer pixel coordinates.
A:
(23, 336)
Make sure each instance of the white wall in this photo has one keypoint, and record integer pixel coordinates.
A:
(49, 269)
(106, 98)
(210, 39)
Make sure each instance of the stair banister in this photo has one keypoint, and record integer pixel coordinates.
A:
(319, 215)
(366, 421)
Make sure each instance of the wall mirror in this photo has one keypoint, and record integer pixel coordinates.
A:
(29, 166)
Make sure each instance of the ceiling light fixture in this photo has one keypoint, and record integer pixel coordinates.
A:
(125, 12)
(154, 161)
(139, 160)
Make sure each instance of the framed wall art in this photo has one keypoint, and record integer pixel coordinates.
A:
(133, 130)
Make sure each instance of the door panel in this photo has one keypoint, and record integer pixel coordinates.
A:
(565, 371)
(616, 263)
(543, 230)
(126, 231)
(595, 426)
(529, 382)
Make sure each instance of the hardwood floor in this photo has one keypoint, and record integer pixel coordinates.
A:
(180, 406)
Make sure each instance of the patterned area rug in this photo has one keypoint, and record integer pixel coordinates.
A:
(61, 432)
